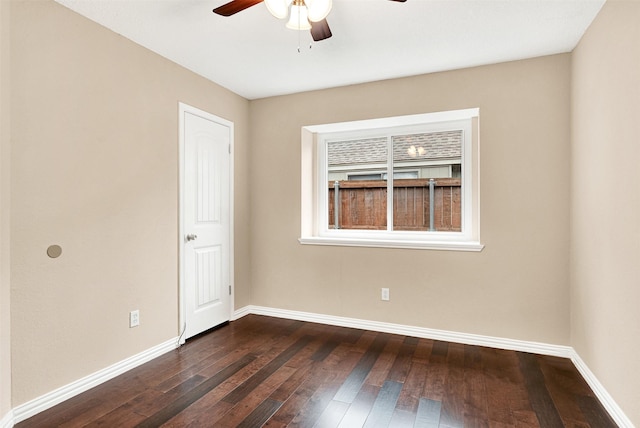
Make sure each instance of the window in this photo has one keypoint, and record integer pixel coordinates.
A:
(407, 182)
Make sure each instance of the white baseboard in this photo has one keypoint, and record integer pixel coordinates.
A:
(241, 312)
(465, 338)
(406, 330)
(607, 401)
(7, 420)
(46, 401)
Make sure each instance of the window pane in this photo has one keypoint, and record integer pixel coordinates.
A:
(355, 170)
(437, 156)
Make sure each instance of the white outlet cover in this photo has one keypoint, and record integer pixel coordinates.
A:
(134, 318)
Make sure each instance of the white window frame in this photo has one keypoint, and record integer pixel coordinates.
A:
(314, 197)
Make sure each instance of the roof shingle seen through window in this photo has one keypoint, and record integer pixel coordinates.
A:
(414, 147)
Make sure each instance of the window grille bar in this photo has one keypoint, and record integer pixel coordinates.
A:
(336, 204)
(432, 186)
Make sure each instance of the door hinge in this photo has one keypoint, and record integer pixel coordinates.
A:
(229, 148)
(229, 290)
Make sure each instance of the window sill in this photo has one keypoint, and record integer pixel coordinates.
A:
(379, 243)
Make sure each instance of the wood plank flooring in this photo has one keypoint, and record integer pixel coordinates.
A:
(262, 371)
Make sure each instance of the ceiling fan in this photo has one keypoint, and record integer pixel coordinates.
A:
(304, 15)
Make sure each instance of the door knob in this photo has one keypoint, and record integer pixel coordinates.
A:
(191, 237)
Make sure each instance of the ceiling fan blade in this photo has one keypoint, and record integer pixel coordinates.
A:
(235, 6)
(401, 1)
(320, 30)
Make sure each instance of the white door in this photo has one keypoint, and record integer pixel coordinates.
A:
(206, 259)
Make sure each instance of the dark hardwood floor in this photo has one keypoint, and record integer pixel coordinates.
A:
(261, 371)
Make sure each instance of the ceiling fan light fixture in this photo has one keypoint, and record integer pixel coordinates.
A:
(318, 9)
(278, 8)
(298, 18)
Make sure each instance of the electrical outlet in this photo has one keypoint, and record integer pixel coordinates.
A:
(385, 294)
(134, 318)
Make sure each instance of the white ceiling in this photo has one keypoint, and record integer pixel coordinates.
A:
(255, 56)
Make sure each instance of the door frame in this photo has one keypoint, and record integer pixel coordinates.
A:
(183, 109)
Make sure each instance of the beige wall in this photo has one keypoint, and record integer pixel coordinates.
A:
(5, 295)
(515, 288)
(95, 169)
(605, 203)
